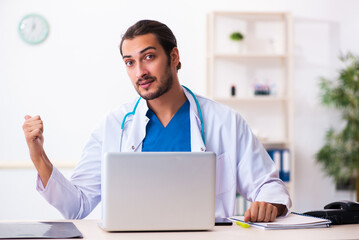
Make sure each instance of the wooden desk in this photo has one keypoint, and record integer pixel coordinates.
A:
(90, 230)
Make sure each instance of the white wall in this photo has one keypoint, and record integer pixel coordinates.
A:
(77, 75)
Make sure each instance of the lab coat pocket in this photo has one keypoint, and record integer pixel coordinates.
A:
(225, 179)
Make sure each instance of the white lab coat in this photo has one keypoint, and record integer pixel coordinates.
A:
(243, 165)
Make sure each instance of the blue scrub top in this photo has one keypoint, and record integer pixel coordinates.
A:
(175, 137)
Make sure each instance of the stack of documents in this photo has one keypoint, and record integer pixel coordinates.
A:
(34, 230)
(292, 221)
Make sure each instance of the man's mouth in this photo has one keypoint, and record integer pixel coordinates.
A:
(146, 83)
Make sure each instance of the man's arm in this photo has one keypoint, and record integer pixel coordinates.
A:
(75, 199)
(33, 129)
(264, 212)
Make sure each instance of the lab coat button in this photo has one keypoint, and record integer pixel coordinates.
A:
(202, 149)
(133, 147)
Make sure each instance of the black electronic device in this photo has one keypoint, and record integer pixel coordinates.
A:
(341, 212)
(223, 222)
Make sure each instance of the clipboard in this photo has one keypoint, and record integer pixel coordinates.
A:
(39, 230)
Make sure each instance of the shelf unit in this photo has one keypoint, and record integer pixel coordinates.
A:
(263, 57)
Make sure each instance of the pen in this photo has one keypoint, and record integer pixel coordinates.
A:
(242, 224)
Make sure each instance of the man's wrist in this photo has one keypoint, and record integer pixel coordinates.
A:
(281, 209)
(44, 167)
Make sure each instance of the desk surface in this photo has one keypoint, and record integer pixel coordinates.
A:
(91, 231)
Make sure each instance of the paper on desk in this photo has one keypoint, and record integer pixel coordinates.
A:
(16, 230)
(292, 221)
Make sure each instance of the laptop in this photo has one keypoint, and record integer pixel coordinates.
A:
(158, 191)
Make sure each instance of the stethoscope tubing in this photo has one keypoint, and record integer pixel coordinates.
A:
(138, 101)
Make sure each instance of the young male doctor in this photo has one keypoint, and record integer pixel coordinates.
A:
(166, 117)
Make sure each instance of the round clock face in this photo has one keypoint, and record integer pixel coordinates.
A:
(33, 29)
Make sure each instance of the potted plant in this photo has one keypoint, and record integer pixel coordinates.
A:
(340, 154)
(237, 37)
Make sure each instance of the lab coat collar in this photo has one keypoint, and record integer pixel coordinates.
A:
(197, 144)
(137, 129)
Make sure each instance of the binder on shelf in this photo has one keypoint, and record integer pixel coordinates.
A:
(281, 158)
(285, 165)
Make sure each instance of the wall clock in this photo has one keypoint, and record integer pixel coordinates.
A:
(33, 29)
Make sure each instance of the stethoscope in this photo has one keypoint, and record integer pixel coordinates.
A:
(138, 101)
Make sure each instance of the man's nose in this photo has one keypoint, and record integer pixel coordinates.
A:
(141, 71)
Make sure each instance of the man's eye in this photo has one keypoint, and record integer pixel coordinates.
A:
(149, 57)
(129, 63)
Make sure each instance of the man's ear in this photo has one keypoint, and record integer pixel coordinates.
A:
(175, 58)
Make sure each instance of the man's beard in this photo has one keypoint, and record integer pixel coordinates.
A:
(162, 88)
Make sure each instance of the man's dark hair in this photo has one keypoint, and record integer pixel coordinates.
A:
(163, 34)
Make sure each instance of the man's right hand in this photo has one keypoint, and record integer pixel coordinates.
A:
(33, 130)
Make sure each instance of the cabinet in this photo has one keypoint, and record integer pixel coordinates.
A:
(259, 68)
